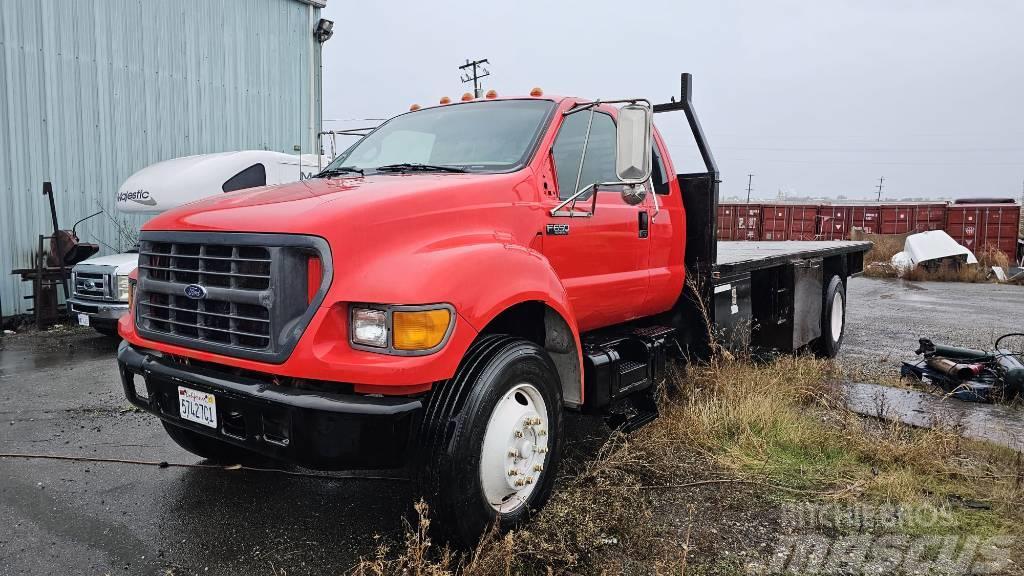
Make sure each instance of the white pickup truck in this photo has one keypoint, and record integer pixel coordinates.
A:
(100, 285)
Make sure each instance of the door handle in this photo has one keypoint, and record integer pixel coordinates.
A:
(644, 220)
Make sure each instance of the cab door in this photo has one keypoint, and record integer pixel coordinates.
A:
(602, 260)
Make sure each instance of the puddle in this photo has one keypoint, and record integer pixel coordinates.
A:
(996, 423)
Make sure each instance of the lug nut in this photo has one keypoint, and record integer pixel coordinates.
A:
(519, 434)
(542, 432)
(513, 453)
(520, 482)
(538, 467)
(542, 450)
(513, 472)
(529, 479)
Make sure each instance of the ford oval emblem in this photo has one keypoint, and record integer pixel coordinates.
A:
(195, 291)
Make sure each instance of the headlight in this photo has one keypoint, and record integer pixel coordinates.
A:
(403, 330)
(370, 327)
(122, 288)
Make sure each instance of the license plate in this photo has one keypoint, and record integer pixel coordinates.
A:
(198, 407)
(83, 319)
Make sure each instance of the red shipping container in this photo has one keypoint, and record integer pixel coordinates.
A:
(833, 222)
(981, 226)
(746, 222)
(929, 217)
(725, 221)
(897, 218)
(775, 222)
(868, 218)
(803, 222)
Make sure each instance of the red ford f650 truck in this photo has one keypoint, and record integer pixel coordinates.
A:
(447, 287)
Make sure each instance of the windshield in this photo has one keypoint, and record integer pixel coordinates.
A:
(485, 136)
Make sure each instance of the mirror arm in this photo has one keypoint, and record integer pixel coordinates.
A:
(571, 202)
(657, 207)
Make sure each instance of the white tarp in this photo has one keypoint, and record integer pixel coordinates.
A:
(930, 246)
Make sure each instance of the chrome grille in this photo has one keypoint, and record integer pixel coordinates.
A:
(91, 284)
(239, 294)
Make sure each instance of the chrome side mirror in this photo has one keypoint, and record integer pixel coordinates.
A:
(633, 144)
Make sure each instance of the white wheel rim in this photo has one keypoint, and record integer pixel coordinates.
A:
(515, 448)
(837, 317)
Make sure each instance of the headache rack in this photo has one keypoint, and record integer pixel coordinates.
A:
(238, 294)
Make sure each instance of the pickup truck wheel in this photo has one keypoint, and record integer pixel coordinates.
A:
(212, 449)
(833, 320)
(491, 439)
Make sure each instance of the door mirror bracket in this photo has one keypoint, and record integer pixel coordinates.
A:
(633, 144)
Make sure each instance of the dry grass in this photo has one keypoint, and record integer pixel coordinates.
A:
(778, 429)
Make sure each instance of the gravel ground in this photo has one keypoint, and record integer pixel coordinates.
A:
(885, 318)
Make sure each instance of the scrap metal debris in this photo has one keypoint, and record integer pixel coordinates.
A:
(968, 374)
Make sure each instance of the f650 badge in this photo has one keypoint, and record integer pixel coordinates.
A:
(558, 229)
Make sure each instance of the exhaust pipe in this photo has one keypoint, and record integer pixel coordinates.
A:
(951, 368)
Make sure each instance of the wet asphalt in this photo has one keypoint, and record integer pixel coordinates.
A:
(59, 394)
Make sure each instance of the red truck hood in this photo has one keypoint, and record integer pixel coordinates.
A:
(306, 206)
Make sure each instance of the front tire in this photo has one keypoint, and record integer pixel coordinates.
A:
(833, 320)
(491, 439)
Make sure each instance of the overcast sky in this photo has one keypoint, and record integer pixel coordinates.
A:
(814, 97)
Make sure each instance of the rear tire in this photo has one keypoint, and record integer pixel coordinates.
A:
(833, 320)
(212, 449)
(490, 442)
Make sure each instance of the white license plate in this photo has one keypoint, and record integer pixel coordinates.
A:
(198, 407)
(83, 319)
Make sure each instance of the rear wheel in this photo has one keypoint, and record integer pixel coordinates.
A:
(833, 320)
(491, 439)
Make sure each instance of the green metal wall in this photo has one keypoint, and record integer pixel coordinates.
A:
(93, 90)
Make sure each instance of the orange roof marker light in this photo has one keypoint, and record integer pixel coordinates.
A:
(491, 94)
(467, 97)
(414, 107)
(446, 100)
(536, 92)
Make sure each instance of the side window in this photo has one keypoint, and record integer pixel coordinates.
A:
(255, 175)
(599, 165)
(659, 176)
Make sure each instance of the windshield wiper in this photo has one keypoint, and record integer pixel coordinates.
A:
(340, 170)
(413, 166)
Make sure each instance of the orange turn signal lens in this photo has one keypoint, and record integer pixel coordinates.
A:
(419, 329)
(536, 92)
(446, 100)
(491, 94)
(467, 97)
(414, 107)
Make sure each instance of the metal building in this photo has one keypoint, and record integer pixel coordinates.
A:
(92, 91)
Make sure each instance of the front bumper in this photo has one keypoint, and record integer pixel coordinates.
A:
(98, 309)
(313, 429)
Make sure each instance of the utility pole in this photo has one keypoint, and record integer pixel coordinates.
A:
(750, 179)
(474, 76)
(880, 182)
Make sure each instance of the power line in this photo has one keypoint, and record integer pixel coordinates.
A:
(475, 75)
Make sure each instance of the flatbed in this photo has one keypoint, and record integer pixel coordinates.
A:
(740, 256)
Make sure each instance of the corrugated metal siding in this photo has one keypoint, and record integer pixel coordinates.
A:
(91, 92)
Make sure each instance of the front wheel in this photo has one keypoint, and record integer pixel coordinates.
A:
(833, 320)
(491, 439)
